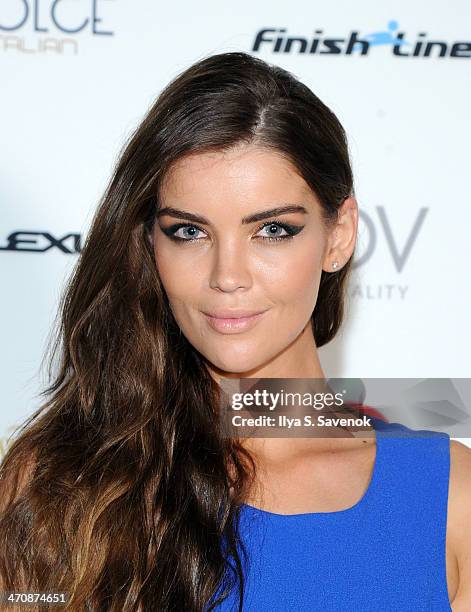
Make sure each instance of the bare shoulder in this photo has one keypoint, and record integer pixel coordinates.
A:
(459, 520)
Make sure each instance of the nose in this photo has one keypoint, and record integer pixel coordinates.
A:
(230, 267)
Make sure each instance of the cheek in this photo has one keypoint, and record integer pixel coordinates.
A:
(174, 272)
(300, 274)
(304, 280)
(294, 277)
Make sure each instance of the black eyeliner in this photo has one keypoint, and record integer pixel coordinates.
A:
(292, 230)
(170, 231)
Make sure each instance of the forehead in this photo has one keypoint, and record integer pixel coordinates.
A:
(246, 174)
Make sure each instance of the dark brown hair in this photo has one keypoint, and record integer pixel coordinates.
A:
(120, 489)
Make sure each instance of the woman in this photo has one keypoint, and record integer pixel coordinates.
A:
(233, 197)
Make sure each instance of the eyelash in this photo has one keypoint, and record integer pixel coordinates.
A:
(291, 230)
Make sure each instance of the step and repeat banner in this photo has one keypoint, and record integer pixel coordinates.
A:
(79, 75)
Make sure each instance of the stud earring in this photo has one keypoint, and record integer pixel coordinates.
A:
(335, 265)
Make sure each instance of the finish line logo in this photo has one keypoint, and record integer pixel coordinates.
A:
(399, 42)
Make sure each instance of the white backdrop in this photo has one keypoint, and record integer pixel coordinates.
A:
(69, 98)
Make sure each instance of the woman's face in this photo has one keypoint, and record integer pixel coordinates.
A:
(214, 260)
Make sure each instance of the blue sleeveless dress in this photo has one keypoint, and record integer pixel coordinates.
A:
(384, 554)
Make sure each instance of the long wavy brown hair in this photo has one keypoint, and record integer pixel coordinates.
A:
(120, 489)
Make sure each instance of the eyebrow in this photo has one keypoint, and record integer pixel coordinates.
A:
(259, 216)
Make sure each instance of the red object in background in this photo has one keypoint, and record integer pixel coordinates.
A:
(369, 411)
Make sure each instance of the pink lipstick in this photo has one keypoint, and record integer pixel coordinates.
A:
(234, 322)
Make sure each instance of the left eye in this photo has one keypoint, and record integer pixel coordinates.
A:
(272, 227)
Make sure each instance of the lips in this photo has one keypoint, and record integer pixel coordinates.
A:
(230, 322)
(233, 314)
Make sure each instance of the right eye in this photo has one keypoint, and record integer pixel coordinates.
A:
(187, 232)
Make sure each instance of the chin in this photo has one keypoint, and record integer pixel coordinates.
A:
(235, 366)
